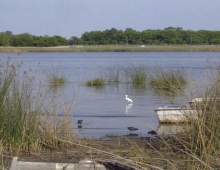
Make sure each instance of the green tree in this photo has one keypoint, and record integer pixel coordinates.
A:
(214, 37)
(73, 40)
(8, 33)
(60, 40)
(4, 39)
(22, 40)
(130, 36)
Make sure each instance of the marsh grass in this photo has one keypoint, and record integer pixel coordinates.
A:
(55, 78)
(202, 145)
(24, 124)
(136, 74)
(116, 48)
(170, 79)
(140, 76)
(112, 75)
(97, 82)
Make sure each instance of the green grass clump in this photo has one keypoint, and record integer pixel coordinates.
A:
(58, 81)
(55, 78)
(139, 79)
(137, 74)
(96, 82)
(167, 79)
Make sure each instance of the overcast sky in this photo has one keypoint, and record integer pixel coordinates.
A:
(69, 18)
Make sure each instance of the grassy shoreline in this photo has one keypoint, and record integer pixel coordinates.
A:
(115, 48)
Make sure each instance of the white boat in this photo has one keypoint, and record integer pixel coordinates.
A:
(175, 114)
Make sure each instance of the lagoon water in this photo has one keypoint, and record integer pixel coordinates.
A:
(105, 111)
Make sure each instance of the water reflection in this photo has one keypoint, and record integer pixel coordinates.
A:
(168, 92)
(171, 129)
(128, 107)
(97, 89)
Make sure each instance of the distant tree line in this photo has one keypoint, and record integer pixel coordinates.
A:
(170, 35)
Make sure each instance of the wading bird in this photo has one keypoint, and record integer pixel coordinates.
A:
(152, 132)
(128, 99)
(79, 122)
(132, 129)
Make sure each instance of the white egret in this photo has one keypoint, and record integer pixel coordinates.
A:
(128, 99)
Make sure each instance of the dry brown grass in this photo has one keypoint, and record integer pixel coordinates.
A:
(139, 153)
(116, 48)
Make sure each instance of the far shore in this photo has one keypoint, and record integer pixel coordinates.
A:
(115, 48)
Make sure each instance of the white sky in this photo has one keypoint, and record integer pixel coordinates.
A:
(74, 17)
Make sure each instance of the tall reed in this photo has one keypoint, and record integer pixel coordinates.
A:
(23, 116)
(136, 74)
(202, 145)
(112, 74)
(167, 79)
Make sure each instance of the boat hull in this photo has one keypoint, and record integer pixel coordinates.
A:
(175, 115)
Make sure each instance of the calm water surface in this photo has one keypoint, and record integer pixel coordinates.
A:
(105, 111)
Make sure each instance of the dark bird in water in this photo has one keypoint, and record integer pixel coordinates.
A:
(152, 132)
(79, 122)
(132, 129)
